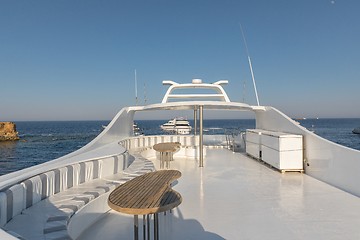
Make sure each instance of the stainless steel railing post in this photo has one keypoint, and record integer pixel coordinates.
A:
(201, 160)
(195, 120)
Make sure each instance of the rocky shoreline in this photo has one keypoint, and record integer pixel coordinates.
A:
(8, 131)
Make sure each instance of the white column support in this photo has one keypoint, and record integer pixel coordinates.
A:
(201, 160)
(195, 120)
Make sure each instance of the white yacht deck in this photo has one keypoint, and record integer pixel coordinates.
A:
(235, 197)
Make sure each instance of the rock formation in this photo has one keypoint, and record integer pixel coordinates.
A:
(8, 131)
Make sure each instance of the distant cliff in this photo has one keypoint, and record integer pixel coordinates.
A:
(8, 131)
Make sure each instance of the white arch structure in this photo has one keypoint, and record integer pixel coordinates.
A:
(197, 84)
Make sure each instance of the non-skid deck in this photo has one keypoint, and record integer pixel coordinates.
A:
(235, 197)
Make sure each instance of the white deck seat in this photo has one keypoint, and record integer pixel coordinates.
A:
(46, 206)
(138, 167)
(53, 213)
(12, 202)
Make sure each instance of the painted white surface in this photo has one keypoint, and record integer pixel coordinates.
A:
(108, 150)
(216, 87)
(104, 145)
(253, 143)
(325, 160)
(235, 197)
(282, 141)
(281, 150)
(283, 160)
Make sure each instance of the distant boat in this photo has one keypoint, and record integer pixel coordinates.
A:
(177, 125)
(356, 130)
(137, 130)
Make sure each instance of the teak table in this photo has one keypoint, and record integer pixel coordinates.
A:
(167, 151)
(150, 193)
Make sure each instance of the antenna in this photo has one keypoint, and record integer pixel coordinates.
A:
(145, 94)
(250, 65)
(244, 90)
(136, 96)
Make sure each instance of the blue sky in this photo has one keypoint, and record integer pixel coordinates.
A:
(75, 60)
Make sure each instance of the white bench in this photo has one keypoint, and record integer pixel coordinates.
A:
(53, 205)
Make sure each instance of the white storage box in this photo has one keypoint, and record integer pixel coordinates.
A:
(283, 151)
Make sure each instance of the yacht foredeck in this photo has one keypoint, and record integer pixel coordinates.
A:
(236, 197)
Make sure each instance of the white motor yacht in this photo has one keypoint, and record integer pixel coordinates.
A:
(288, 183)
(177, 125)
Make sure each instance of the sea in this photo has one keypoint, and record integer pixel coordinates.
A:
(44, 141)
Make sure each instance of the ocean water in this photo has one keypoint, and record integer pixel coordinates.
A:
(44, 141)
(335, 130)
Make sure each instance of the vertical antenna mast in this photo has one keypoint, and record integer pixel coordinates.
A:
(136, 96)
(145, 94)
(250, 65)
(244, 91)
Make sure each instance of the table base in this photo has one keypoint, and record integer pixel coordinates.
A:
(146, 226)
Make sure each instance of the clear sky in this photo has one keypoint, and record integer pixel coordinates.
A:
(75, 59)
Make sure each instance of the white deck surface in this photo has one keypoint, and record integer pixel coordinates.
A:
(235, 197)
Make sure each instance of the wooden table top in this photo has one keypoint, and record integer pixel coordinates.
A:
(167, 147)
(146, 194)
